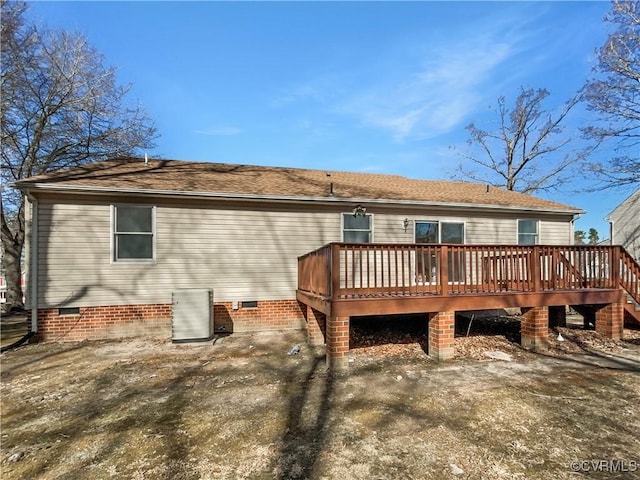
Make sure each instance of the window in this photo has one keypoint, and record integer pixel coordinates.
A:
(356, 228)
(452, 233)
(427, 232)
(133, 232)
(527, 232)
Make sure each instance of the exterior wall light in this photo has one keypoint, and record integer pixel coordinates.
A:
(359, 211)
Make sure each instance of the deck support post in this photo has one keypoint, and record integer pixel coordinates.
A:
(534, 328)
(610, 321)
(316, 326)
(557, 316)
(441, 335)
(337, 344)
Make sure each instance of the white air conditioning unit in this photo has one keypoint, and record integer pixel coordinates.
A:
(192, 314)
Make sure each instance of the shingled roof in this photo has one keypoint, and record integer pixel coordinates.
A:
(219, 179)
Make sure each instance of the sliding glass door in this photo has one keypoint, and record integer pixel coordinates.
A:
(440, 232)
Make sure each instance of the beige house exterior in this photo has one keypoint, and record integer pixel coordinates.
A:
(109, 242)
(624, 223)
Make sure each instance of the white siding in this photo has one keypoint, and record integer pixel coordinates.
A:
(242, 253)
(556, 232)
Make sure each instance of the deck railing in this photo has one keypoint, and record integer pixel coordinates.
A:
(343, 270)
(630, 275)
(314, 271)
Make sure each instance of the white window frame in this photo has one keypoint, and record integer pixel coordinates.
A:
(537, 234)
(371, 223)
(113, 252)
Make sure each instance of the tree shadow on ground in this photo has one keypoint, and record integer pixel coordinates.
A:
(589, 355)
(307, 421)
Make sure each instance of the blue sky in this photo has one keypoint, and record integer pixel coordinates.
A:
(385, 87)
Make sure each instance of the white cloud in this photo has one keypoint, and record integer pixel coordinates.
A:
(434, 98)
(220, 131)
(416, 90)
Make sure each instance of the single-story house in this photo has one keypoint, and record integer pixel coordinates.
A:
(110, 242)
(624, 222)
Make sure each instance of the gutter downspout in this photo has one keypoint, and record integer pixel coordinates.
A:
(33, 262)
(611, 239)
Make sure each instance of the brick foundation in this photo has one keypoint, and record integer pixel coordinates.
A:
(610, 320)
(441, 335)
(534, 329)
(106, 322)
(121, 321)
(316, 327)
(338, 343)
(269, 315)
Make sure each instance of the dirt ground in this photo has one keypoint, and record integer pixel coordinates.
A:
(13, 327)
(241, 407)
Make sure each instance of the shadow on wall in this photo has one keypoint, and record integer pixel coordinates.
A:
(222, 319)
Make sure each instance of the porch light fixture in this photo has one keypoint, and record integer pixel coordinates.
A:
(359, 211)
(405, 224)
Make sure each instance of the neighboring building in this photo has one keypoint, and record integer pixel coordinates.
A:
(624, 223)
(114, 239)
(3, 280)
(3, 288)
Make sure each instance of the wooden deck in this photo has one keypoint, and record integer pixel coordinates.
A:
(343, 279)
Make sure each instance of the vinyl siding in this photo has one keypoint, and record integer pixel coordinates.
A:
(556, 232)
(241, 254)
(244, 252)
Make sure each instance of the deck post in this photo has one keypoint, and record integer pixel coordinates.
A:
(616, 258)
(337, 344)
(444, 269)
(535, 268)
(610, 321)
(316, 326)
(334, 271)
(441, 335)
(534, 328)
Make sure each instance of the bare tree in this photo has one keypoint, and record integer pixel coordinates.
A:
(528, 150)
(61, 106)
(615, 95)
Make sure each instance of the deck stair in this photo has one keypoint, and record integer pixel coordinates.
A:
(632, 311)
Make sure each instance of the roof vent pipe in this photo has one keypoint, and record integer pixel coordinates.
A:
(146, 158)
